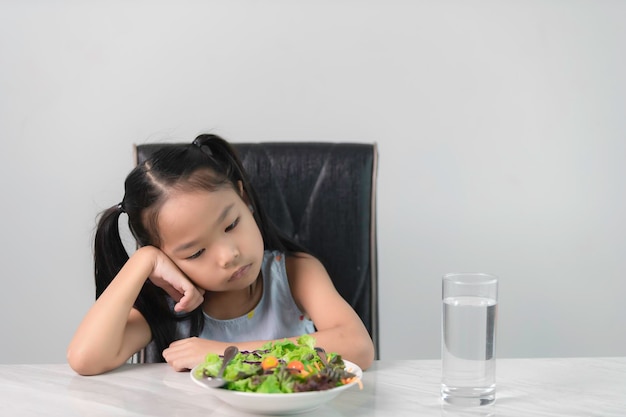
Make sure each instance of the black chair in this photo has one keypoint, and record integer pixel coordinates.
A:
(323, 195)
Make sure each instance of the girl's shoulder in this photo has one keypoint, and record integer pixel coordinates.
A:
(303, 266)
(301, 259)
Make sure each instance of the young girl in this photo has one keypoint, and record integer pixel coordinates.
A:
(211, 270)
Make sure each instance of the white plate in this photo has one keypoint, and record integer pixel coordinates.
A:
(277, 404)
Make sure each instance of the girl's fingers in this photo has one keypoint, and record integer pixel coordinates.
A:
(167, 276)
(191, 299)
(172, 292)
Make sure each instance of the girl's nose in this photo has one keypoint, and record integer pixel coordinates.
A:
(227, 255)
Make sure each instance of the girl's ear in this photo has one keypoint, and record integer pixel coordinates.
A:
(244, 196)
(242, 193)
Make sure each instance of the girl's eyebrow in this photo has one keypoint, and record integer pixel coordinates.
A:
(185, 246)
(224, 213)
(219, 220)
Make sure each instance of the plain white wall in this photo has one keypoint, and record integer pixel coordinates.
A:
(500, 127)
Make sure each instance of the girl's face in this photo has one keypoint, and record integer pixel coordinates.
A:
(213, 238)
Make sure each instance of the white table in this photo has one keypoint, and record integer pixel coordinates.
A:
(526, 387)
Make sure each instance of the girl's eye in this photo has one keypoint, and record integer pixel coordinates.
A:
(196, 255)
(233, 225)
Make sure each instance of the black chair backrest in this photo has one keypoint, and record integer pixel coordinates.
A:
(323, 195)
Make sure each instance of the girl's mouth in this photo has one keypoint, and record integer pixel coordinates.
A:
(239, 273)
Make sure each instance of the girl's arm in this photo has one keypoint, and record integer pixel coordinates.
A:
(112, 330)
(339, 328)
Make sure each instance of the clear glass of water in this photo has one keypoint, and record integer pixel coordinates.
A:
(468, 338)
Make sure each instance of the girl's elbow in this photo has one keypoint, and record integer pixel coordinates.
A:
(79, 363)
(367, 355)
(364, 353)
(83, 364)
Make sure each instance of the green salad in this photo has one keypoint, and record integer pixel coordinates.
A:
(279, 367)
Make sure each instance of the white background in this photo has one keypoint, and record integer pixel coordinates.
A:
(500, 126)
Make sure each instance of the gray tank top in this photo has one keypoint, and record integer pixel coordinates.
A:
(276, 316)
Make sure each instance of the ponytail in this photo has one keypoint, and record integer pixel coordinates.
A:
(109, 258)
(109, 252)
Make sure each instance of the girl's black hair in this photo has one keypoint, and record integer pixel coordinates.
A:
(208, 163)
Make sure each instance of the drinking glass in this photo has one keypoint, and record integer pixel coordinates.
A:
(468, 338)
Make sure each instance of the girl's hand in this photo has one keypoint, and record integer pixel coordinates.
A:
(167, 275)
(184, 354)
